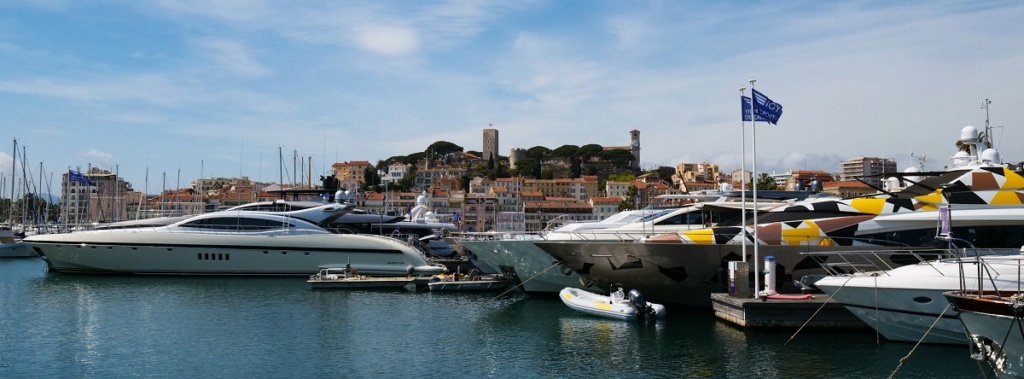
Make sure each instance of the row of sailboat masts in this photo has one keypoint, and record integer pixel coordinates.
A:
(31, 211)
(302, 170)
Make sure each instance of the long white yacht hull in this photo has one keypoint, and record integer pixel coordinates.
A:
(902, 304)
(221, 254)
(537, 270)
(674, 273)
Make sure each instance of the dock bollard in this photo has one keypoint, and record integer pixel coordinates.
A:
(769, 276)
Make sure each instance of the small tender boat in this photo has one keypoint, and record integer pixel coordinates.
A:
(617, 305)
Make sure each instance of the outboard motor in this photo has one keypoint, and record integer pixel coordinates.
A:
(636, 299)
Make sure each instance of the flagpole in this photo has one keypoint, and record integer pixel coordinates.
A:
(753, 138)
(743, 174)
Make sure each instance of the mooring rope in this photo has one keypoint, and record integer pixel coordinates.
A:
(904, 359)
(823, 304)
(527, 280)
(878, 340)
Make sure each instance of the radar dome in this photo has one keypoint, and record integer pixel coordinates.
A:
(912, 170)
(961, 158)
(892, 184)
(969, 134)
(991, 156)
(338, 196)
(726, 187)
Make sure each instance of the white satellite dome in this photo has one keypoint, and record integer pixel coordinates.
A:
(969, 134)
(912, 170)
(991, 156)
(892, 184)
(961, 158)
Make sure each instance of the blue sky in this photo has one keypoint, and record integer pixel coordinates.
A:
(217, 88)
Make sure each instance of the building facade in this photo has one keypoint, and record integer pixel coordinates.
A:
(868, 169)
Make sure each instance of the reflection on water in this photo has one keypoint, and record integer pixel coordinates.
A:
(55, 325)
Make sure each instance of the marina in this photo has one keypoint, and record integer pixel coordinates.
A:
(71, 325)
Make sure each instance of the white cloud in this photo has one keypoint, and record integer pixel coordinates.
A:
(390, 40)
(98, 157)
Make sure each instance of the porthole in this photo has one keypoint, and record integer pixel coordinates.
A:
(923, 299)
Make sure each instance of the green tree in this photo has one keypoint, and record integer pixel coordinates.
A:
(440, 149)
(547, 173)
(618, 157)
(665, 173)
(566, 151)
(589, 150)
(527, 167)
(629, 202)
(538, 152)
(766, 182)
(407, 182)
(622, 177)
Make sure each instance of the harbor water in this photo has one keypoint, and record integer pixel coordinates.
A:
(95, 326)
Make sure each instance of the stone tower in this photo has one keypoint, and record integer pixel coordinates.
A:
(634, 147)
(490, 144)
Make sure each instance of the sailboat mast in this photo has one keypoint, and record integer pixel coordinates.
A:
(14, 171)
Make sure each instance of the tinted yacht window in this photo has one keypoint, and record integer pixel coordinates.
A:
(235, 223)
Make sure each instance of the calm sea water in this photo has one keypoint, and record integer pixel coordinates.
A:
(82, 326)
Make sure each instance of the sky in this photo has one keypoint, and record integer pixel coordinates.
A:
(166, 91)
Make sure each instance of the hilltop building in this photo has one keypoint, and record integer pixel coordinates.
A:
(696, 177)
(350, 174)
(490, 150)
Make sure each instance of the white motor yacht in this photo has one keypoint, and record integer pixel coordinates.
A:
(11, 247)
(982, 194)
(907, 303)
(518, 255)
(232, 243)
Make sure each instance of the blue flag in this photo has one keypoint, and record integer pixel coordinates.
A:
(766, 108)
(75, 176)
(746, 110)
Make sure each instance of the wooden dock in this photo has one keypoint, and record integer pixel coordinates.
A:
(759, 313)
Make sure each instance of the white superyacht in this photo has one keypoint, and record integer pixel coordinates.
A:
(232, 243)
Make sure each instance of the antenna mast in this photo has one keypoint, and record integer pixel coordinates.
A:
(920, 160)
(988, 129)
